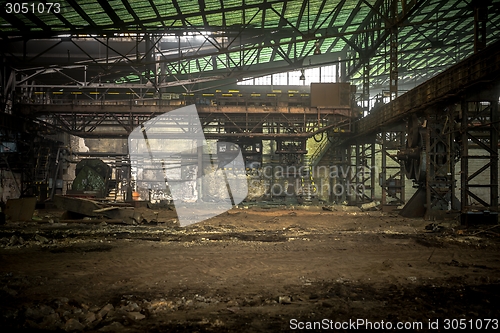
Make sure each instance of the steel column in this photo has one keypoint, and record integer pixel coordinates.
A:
(392, 176)
(479, 127)
(364, 180)
(440, 161)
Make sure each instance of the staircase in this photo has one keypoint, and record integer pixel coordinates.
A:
(307, 191)
(321, 150)
(42, 165)
(115, 185)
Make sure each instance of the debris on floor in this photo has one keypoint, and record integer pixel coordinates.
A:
(20, 209)
(370, 206)
(86, 207)
(228, 273)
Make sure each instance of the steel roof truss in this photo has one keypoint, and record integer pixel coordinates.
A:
(82, 13)
(110, 12)
(401, 17)
(132, 12)
(158, 16)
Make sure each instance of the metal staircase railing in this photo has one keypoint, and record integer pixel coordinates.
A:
(307, 189)
(42, 164)
(320, 151)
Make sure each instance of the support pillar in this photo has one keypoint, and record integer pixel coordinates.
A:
(341, 181)
(392, 175)
(365, 172)
(479, 139)
(199, 178)
(440, 162)
(480, 20)
(365, 99)
(393, 53)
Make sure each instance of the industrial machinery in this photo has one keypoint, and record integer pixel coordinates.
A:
(93, 178)
(414, 155)
(429, 159)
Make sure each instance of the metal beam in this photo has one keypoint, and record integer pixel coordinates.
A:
(402, 17)
(447, 86)
(82, 13)
(132, 12)
(106, 7)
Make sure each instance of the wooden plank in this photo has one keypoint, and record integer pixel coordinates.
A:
(20, 209)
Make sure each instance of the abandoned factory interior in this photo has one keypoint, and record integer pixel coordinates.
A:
(249, 165)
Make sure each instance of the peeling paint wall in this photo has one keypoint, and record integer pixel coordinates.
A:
(77, 144)
(106, 145)
(9, 185)
(213, 184)
(257, 188)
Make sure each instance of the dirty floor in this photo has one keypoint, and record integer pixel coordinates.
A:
(249, 270)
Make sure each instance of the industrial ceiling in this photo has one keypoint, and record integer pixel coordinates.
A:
(201, 44)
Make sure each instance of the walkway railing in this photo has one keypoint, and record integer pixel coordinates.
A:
(450, 85)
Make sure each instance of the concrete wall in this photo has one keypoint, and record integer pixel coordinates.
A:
(105, 145)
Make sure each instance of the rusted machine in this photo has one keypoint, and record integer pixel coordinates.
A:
(429, 158)
(93, 178)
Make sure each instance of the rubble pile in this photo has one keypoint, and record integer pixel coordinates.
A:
(230, 273)
(70, 315)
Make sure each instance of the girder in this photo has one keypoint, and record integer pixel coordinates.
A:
(448, 86)
(242, 115)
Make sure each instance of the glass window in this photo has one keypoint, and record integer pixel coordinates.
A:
(292, 78)
(263, 80)
(312, 75)
(247, 81)
(328, 73)
(280, 79)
